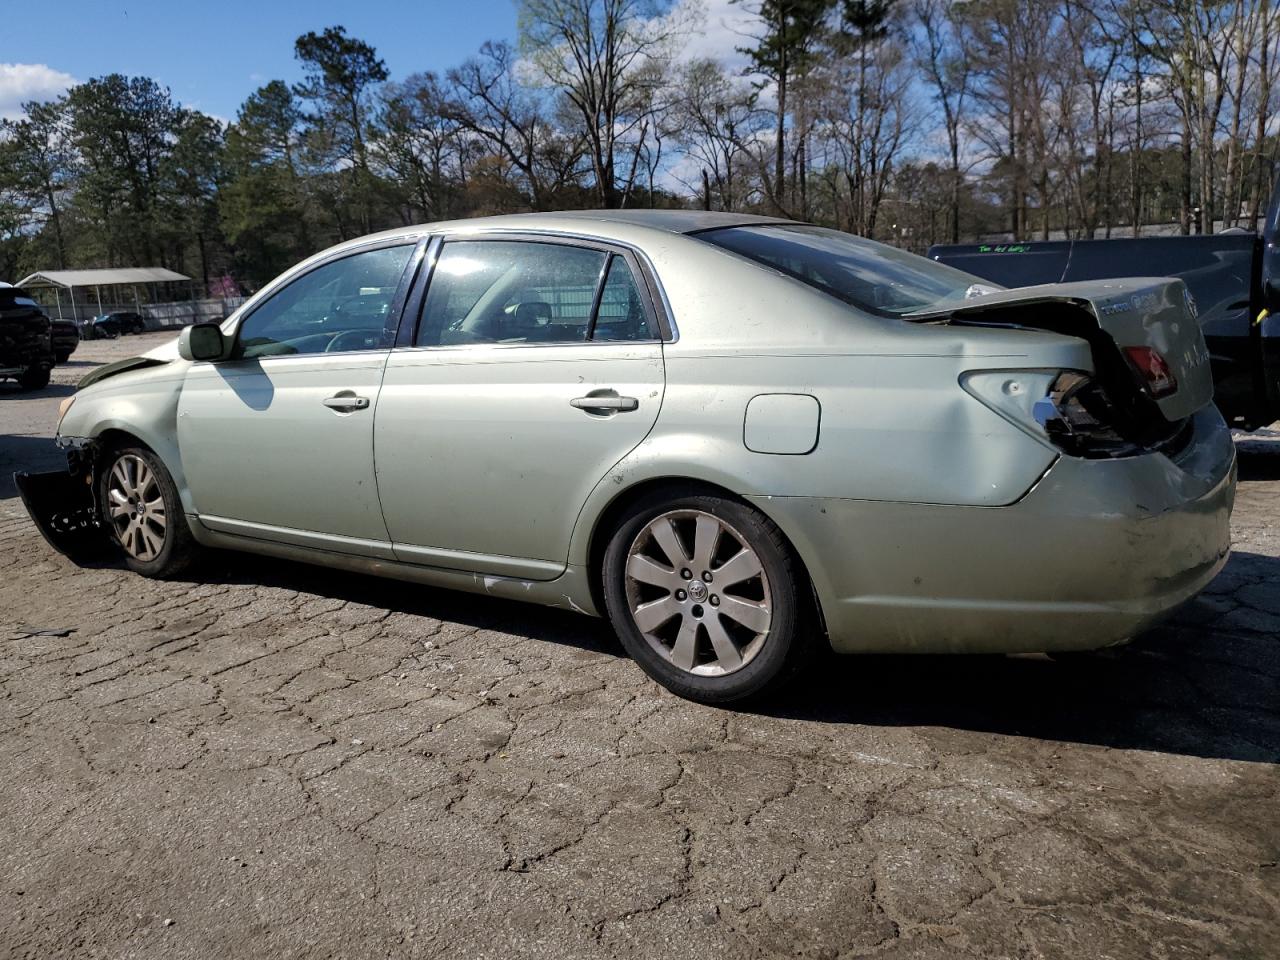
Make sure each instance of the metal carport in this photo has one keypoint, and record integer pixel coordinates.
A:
(71, 280)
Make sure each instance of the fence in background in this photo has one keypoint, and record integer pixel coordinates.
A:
(159, 316)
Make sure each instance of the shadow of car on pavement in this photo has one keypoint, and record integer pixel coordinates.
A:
(1204, 684)
(11, 390)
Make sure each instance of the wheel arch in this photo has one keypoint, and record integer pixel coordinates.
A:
(606, 521)
(113, 433)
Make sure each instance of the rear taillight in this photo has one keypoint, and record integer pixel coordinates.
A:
(1080, 419)
(1155, 372)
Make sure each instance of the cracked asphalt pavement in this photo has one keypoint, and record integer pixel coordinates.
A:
(274, 760)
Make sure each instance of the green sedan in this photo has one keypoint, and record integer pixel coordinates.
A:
(738, 438)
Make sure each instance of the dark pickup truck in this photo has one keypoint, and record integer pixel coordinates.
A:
(26, 346)
(1233, 278)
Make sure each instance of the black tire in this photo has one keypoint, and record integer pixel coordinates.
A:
(34, 378)
(62, 357)
(791, 637)
(179, 548)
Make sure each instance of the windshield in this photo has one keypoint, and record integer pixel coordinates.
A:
(871, 276)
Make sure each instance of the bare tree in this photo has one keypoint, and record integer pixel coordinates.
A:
(1267, 65)
(513, 124)
(791, 34)
(416, 143)
(599, 55)
(945, 59)
(869, 115)
(720, 121)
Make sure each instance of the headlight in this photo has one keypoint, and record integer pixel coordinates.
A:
(64, 406)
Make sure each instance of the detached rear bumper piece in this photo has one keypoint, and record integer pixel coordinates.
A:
(62, 505)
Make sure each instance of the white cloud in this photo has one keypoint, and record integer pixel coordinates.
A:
(720, 27)
(20, 82)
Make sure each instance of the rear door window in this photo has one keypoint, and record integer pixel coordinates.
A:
(525, 292)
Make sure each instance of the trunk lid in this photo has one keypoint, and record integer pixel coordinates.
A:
(1136, 312)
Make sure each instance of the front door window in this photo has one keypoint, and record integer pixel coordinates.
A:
(338, 307)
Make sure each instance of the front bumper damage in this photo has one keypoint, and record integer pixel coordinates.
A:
(64, 506)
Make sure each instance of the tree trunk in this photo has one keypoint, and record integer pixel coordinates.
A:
(1261, 187)
(1135, 152)
(955, 194)
(55, 215)
(1186, 171)
(780, 157)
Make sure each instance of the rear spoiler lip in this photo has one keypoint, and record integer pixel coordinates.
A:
(1084, 293)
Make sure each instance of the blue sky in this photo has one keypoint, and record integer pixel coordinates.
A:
(213, 53)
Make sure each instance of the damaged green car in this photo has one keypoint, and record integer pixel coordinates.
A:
(738, 438)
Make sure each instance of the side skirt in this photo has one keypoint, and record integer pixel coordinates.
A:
(570, 591)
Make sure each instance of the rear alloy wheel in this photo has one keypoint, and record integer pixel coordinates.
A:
(141, 508)
(703, 593)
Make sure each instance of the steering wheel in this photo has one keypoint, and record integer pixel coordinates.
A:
(352, 340)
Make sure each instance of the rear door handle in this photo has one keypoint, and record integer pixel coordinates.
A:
(608, 401)
(347, 402)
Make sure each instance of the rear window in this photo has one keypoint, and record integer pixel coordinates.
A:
(868, 275)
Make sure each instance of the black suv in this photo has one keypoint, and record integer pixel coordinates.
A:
(26, 345)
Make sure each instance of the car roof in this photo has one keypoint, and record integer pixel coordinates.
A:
(606, 224)
(672, 221)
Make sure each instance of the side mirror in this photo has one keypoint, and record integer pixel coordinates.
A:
(202, 341)
(1271, 290)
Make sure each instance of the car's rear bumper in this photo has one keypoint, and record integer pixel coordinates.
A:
(1097, 551)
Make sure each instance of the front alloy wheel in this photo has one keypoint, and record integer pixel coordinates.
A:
(136, 507)
(703, 592)
(141, 509)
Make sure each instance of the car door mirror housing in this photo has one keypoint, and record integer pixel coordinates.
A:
(202, 342)
(1271, 289)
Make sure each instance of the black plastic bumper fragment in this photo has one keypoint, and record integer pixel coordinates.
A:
(61, 504)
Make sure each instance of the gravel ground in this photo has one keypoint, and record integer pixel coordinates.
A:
(273, 760)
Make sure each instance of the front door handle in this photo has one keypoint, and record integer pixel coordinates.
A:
(604, 402)
(346, 402)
